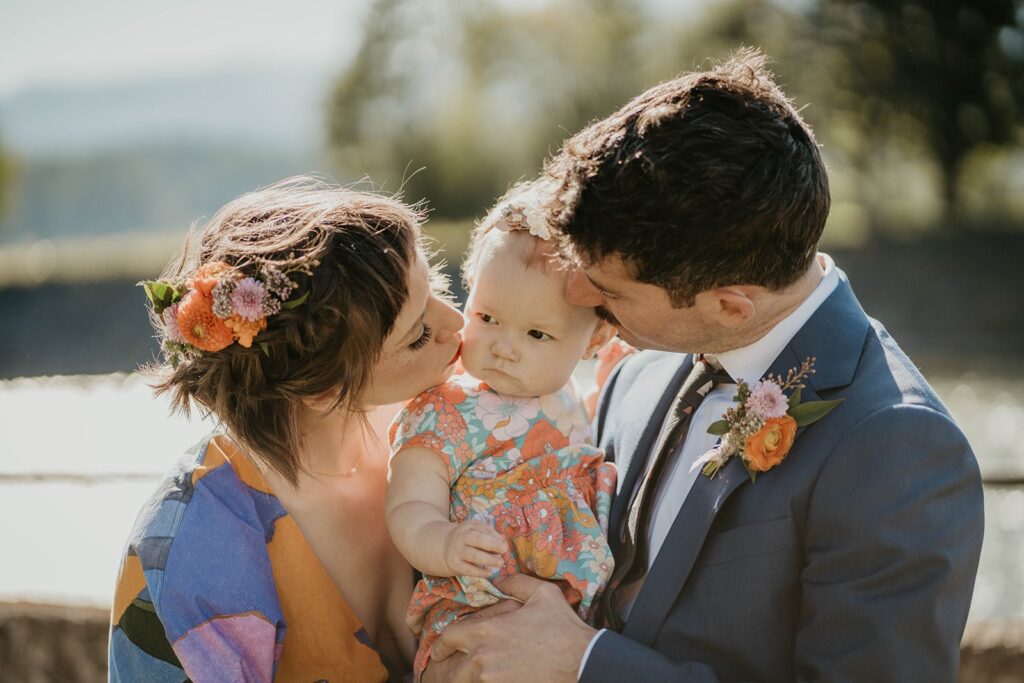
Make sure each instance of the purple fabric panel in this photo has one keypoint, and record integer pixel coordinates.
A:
(238, 648)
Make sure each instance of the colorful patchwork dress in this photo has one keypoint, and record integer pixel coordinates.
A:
(218, 584)
(527, 467)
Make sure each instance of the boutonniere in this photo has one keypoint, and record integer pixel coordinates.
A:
(761, 427)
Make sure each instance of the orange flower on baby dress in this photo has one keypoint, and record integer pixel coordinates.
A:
(199, 326)
(770, 445)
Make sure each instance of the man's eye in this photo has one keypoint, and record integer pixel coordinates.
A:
(537, 334)
(424, 338)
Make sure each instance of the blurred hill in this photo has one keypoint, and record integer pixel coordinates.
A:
(269, 108)
(154, 154)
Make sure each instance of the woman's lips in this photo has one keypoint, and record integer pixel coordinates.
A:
(458, 352)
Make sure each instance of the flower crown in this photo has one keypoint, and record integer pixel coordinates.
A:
(219, 306)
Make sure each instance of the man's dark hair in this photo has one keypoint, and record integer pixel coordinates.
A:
(708, 180)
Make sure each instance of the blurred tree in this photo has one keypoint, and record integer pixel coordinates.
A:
(948, 75)
(476, 94)
(6, 177)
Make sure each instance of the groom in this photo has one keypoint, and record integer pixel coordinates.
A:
(693, 216)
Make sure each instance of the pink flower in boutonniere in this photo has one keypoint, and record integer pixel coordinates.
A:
(762, 426)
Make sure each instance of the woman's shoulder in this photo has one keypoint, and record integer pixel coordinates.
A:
(199, 547)
(213, 480)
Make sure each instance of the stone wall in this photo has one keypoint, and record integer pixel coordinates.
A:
(44, 643)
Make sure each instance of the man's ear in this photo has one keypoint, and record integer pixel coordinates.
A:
(730, 307)
(602, 334)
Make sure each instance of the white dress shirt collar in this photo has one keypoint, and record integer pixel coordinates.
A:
(751, 362)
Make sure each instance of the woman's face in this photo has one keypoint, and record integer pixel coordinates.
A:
(422, 348)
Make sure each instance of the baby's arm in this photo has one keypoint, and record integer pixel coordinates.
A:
(417, 515)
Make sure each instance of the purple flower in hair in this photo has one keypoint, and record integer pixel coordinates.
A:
(171, 329)
(248, 298)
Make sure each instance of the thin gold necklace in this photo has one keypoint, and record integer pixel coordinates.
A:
(352, 471)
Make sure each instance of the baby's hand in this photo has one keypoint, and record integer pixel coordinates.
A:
(472, 548)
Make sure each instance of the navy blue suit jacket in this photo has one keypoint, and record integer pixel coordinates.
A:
(852, 560)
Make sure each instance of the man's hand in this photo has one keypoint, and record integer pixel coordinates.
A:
(472, 548)
(544, 640)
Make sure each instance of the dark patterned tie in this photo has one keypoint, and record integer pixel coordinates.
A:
(631, 561)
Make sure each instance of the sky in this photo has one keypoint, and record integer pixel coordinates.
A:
(70, 42)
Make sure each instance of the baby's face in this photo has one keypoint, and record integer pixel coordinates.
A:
(521, 336)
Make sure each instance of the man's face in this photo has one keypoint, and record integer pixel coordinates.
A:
(643, 313)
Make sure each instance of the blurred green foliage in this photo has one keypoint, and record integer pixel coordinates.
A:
(7, 169)
(917, 104)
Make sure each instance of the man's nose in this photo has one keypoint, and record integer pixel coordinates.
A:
(580, 291)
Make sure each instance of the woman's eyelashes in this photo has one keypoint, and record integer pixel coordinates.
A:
(423, 339)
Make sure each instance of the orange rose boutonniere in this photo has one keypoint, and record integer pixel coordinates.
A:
(761, 427)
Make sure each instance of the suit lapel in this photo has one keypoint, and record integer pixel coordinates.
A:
(679, 552)
(639, 459)
(834, 335)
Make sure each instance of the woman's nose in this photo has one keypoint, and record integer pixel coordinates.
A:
(448, 321)
(580, 291)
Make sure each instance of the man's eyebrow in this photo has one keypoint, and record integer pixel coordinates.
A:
(600, 286)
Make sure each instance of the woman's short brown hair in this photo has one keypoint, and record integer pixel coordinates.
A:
(708, 180)
(361, 247)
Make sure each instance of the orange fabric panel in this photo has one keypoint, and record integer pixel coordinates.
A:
(130, 582)
(320, 642)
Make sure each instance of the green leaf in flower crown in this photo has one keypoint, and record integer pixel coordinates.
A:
(296, 303)
(719, 428)
(809, 413)
(794, 398)
(161, 295)
(265, 348)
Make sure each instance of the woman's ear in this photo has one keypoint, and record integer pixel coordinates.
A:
(321, 403)
(602, 334)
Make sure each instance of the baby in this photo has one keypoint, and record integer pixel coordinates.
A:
(495, 472)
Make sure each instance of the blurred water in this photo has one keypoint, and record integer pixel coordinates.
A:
(79, 456)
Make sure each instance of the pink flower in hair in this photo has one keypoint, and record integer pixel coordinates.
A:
(248, 297)
(767, 401)
(171, 329)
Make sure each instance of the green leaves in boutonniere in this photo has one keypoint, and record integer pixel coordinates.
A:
(761, 427)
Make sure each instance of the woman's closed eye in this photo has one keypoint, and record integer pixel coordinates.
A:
(423, 338)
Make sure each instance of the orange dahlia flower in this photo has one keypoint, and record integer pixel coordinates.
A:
(207, 277)
(770, 445)
(198, 324)
(244, 329)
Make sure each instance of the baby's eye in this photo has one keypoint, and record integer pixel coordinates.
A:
(537, 334)
(485, 317)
